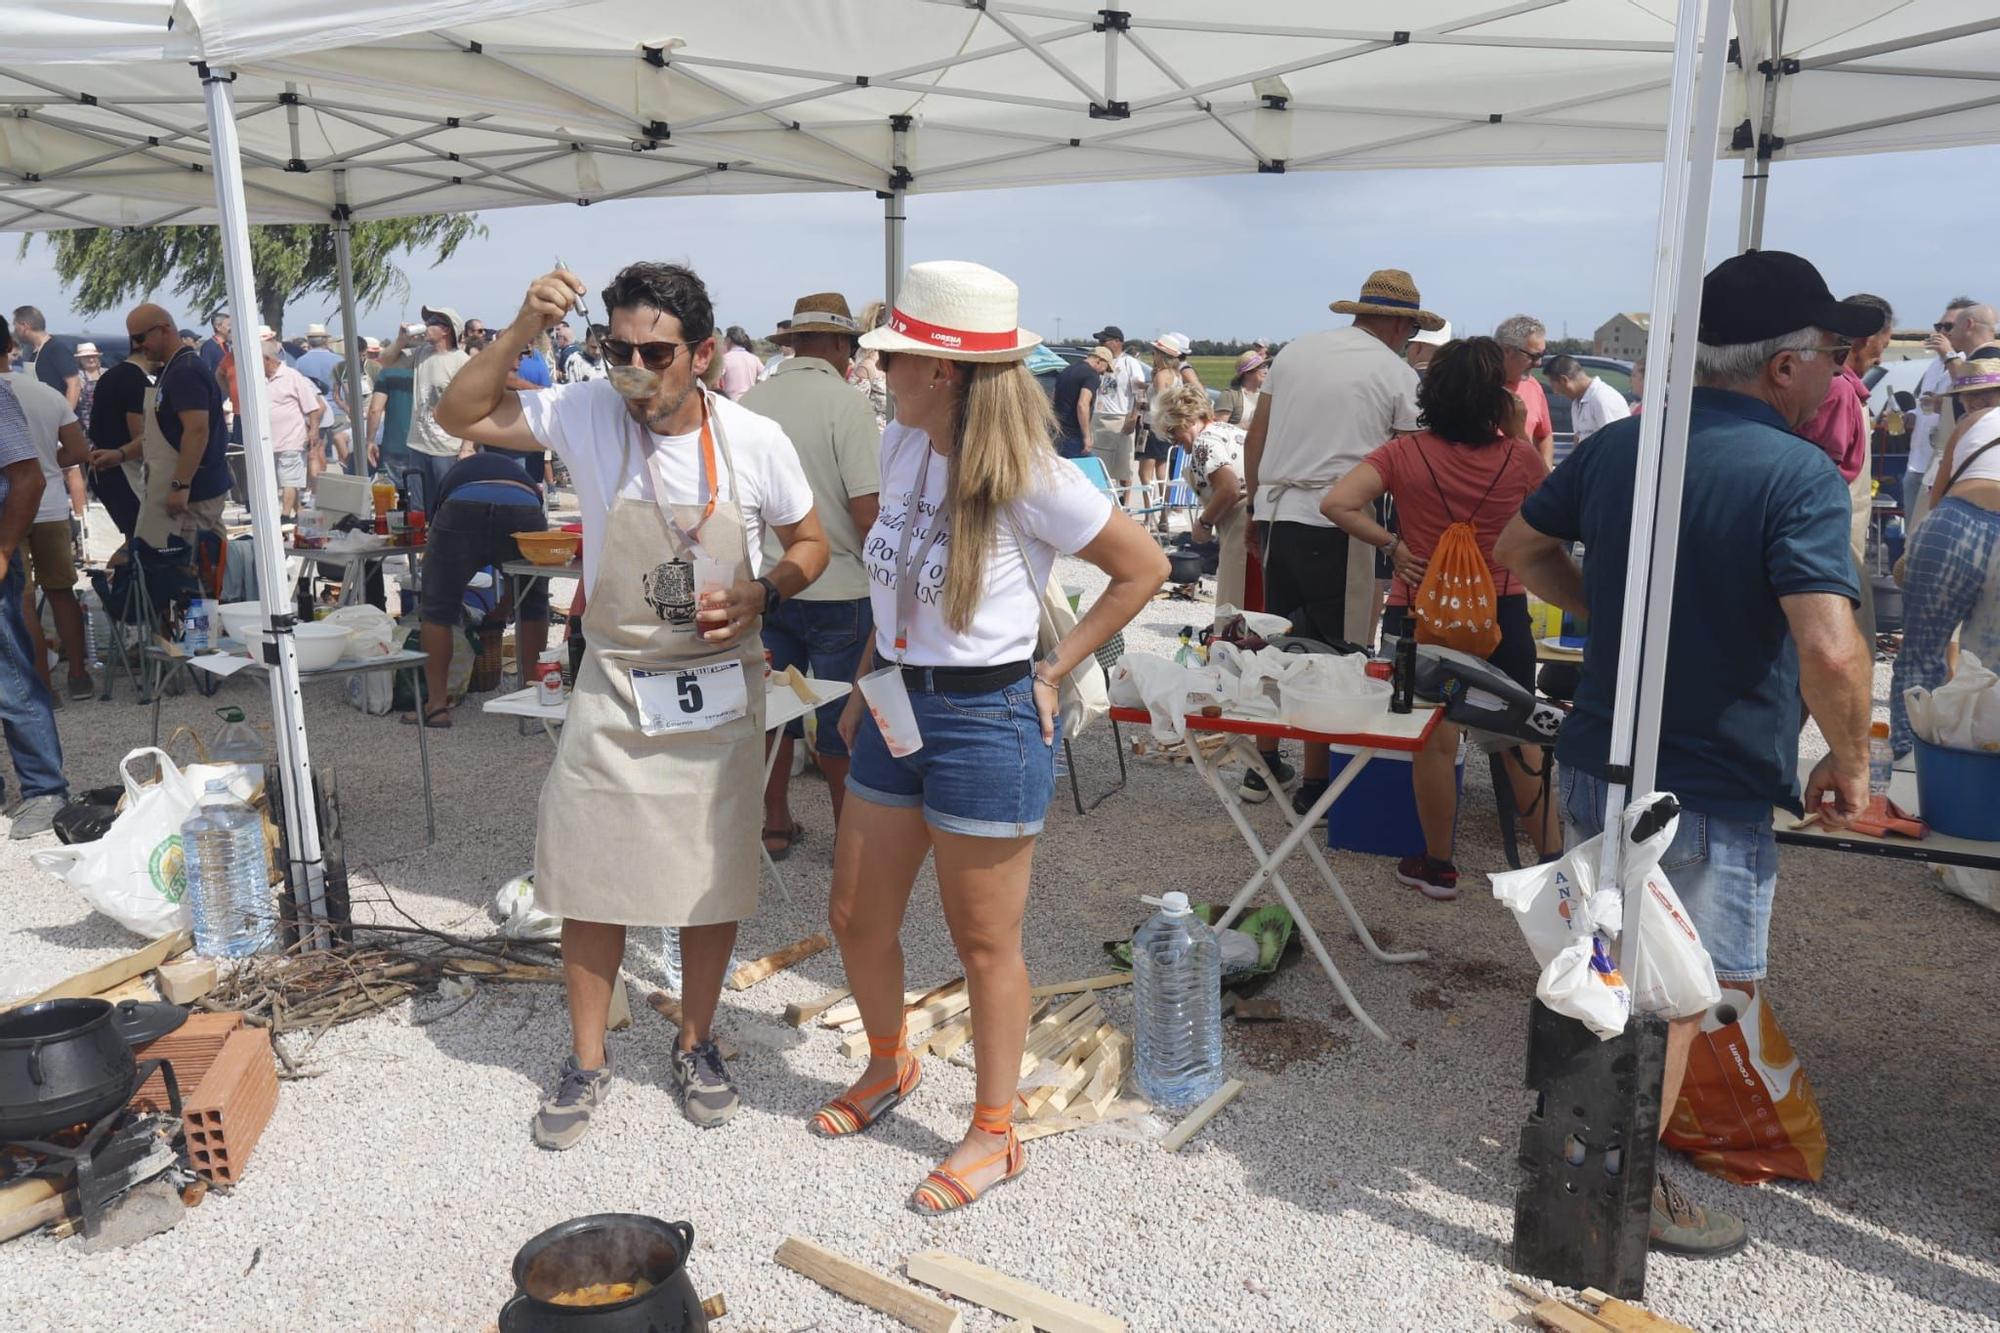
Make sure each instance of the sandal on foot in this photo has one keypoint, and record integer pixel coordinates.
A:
(787, 836)
(849, 1113)
(945, 1191)
(431, 718)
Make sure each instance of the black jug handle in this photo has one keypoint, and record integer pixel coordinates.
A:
(35, 1074)
(685, 1230)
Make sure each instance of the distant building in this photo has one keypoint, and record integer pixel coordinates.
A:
(1623, 336)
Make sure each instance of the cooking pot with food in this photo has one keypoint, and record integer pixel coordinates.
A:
(610, 1271)
(62, 1062)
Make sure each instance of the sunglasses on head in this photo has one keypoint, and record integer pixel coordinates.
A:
(655, 355)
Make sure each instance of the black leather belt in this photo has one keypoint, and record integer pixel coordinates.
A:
(964, 680)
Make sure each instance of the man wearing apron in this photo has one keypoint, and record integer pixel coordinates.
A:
(651, 811)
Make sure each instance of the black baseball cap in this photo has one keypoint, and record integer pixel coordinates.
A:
(1769, 293)
(1108, 331)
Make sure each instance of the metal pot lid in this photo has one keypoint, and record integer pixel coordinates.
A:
(139, 1022)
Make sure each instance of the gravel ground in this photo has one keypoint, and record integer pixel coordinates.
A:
(1355, 1184)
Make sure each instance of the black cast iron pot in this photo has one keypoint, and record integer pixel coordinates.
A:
(61, 1062)
(606, 1247)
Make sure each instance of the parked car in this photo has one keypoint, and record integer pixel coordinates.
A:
(1616, 373)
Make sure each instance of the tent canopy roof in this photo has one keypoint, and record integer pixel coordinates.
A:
(453, 105)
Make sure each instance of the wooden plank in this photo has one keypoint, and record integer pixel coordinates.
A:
(1565, 1318)
(1072, 987)
(667, 1007)
(185, 980)
(619, 1016)
(847, 1011)
(1055, 1034)
(798, 1015)
(1071, 1076)
(748, 975)
(106, 975)
(1626, 1317)
(1009, 1295)
(1201, 1115)
(945, 1039)
(878, 1291)
(132, 988)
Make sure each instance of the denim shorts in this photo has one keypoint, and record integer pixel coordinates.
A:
(465, 537)
(828, 639)
(983, 771)
(1724, 870)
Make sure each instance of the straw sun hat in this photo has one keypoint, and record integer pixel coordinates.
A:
(822, 312)
(1392, 292)
(1982, 376)
(956, 310)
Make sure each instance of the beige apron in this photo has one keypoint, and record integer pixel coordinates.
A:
(641, 830)
(155, 524)
(1363, 602)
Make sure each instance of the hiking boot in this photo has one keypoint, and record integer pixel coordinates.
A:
(1253, 791)
(34, 816)
(708, 1094)
(1435, 879)
(1682, 1226)
(566, 1112)
(1308, 794)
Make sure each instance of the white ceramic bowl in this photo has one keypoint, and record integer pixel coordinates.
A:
(319, 645)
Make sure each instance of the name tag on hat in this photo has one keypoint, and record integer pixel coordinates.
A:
(696, 698)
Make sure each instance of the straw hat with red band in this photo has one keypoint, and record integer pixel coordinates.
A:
(956, 310)
(1982, 376)
(1390, 291)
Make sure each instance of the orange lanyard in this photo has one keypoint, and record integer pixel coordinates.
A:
(710, 479)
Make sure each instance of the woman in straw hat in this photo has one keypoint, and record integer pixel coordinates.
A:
(1238, 403)
(975, 507)
(1952, 568)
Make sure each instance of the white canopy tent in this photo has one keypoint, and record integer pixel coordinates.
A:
(393, 107)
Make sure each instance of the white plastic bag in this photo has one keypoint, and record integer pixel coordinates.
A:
(520, 919)
(370, 630)
(1558, 905)
(1961, 714)
(134, 874)
(1169, 691)
(1578, 982)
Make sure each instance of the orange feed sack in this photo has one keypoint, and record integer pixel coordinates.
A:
(1746, 1110)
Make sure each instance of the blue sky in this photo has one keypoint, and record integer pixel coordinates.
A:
(1229, 256)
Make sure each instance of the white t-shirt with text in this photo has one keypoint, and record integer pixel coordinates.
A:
(607, 452)
(1062, 514)
(1335, 397)
(1122, 386)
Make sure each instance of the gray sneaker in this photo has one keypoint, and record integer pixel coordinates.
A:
(566, 1112)
(708, 1094)
(34, 816)
(82, 688)
(1682, 1226)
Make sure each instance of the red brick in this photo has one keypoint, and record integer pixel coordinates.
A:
(228, 1111)
(192, 1047)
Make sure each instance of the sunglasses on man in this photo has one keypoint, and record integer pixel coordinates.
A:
(655, 355)
(1837, 351)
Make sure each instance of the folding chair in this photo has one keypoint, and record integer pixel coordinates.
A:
(1180, 495)
(1093, 468)
(137, 595)
(1107, 657)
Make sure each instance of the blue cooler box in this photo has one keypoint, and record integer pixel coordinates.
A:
(1378, 814)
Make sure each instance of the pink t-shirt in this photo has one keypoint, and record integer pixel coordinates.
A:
(1540, 424)
(1840, 427)
(1436, 483)
(292, 398)
(740, 370)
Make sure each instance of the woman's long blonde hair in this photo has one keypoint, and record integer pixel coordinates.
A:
(1002, 428)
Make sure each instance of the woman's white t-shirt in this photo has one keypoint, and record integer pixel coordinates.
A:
(587, 426)
(1063, 513)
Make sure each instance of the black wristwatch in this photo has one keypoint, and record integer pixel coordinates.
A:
(772, 597)
(178, 485)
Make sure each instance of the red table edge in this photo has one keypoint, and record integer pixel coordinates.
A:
(1278, 731)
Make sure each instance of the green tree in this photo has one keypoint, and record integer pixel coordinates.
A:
(111, 267)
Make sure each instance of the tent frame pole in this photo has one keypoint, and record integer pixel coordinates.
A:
(350, 328)
(893, 203)
(1687, 186)
(307, 870)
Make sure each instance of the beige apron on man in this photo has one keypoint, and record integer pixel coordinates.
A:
(640, 830)
(156, 523)
(1861, 498)
(1363, 595)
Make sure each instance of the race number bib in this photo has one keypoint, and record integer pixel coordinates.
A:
(676, 699)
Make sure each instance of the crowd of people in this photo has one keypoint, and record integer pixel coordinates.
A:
(881, 501)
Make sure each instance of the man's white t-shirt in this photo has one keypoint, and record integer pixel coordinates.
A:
(1063, 513)
(430, 375)
(1335, 397)
(606, 451)
(1121, 386)
(47, 412)
(1599, 407)
(1924, 434)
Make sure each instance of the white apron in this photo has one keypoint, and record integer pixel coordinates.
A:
(657, 830)
(160, 458)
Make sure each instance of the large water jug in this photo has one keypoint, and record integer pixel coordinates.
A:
(222, 844)
(1177, 992)
(237, 742)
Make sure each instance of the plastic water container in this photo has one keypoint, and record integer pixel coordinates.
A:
(1177, 993)
(670, 957)
(1881, 759)
(222, 844)
(237, 742)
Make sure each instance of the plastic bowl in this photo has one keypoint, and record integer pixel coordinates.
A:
(1343, 713)
(1958, 791)
(1265, 625)
(240, 620)
(319, 645)
(549, 548)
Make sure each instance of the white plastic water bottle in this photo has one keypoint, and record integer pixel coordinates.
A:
(670, 957)
(1177, 995)
(222, 845)
(1881, 759)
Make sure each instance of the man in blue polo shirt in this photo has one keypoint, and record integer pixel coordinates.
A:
(1764, 590)
(190, 416)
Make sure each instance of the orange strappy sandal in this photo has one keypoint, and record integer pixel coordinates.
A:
(845, 1115)
(945, 1191)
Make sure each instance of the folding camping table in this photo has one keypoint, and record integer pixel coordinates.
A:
(1405, 732)
(1940, 849)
